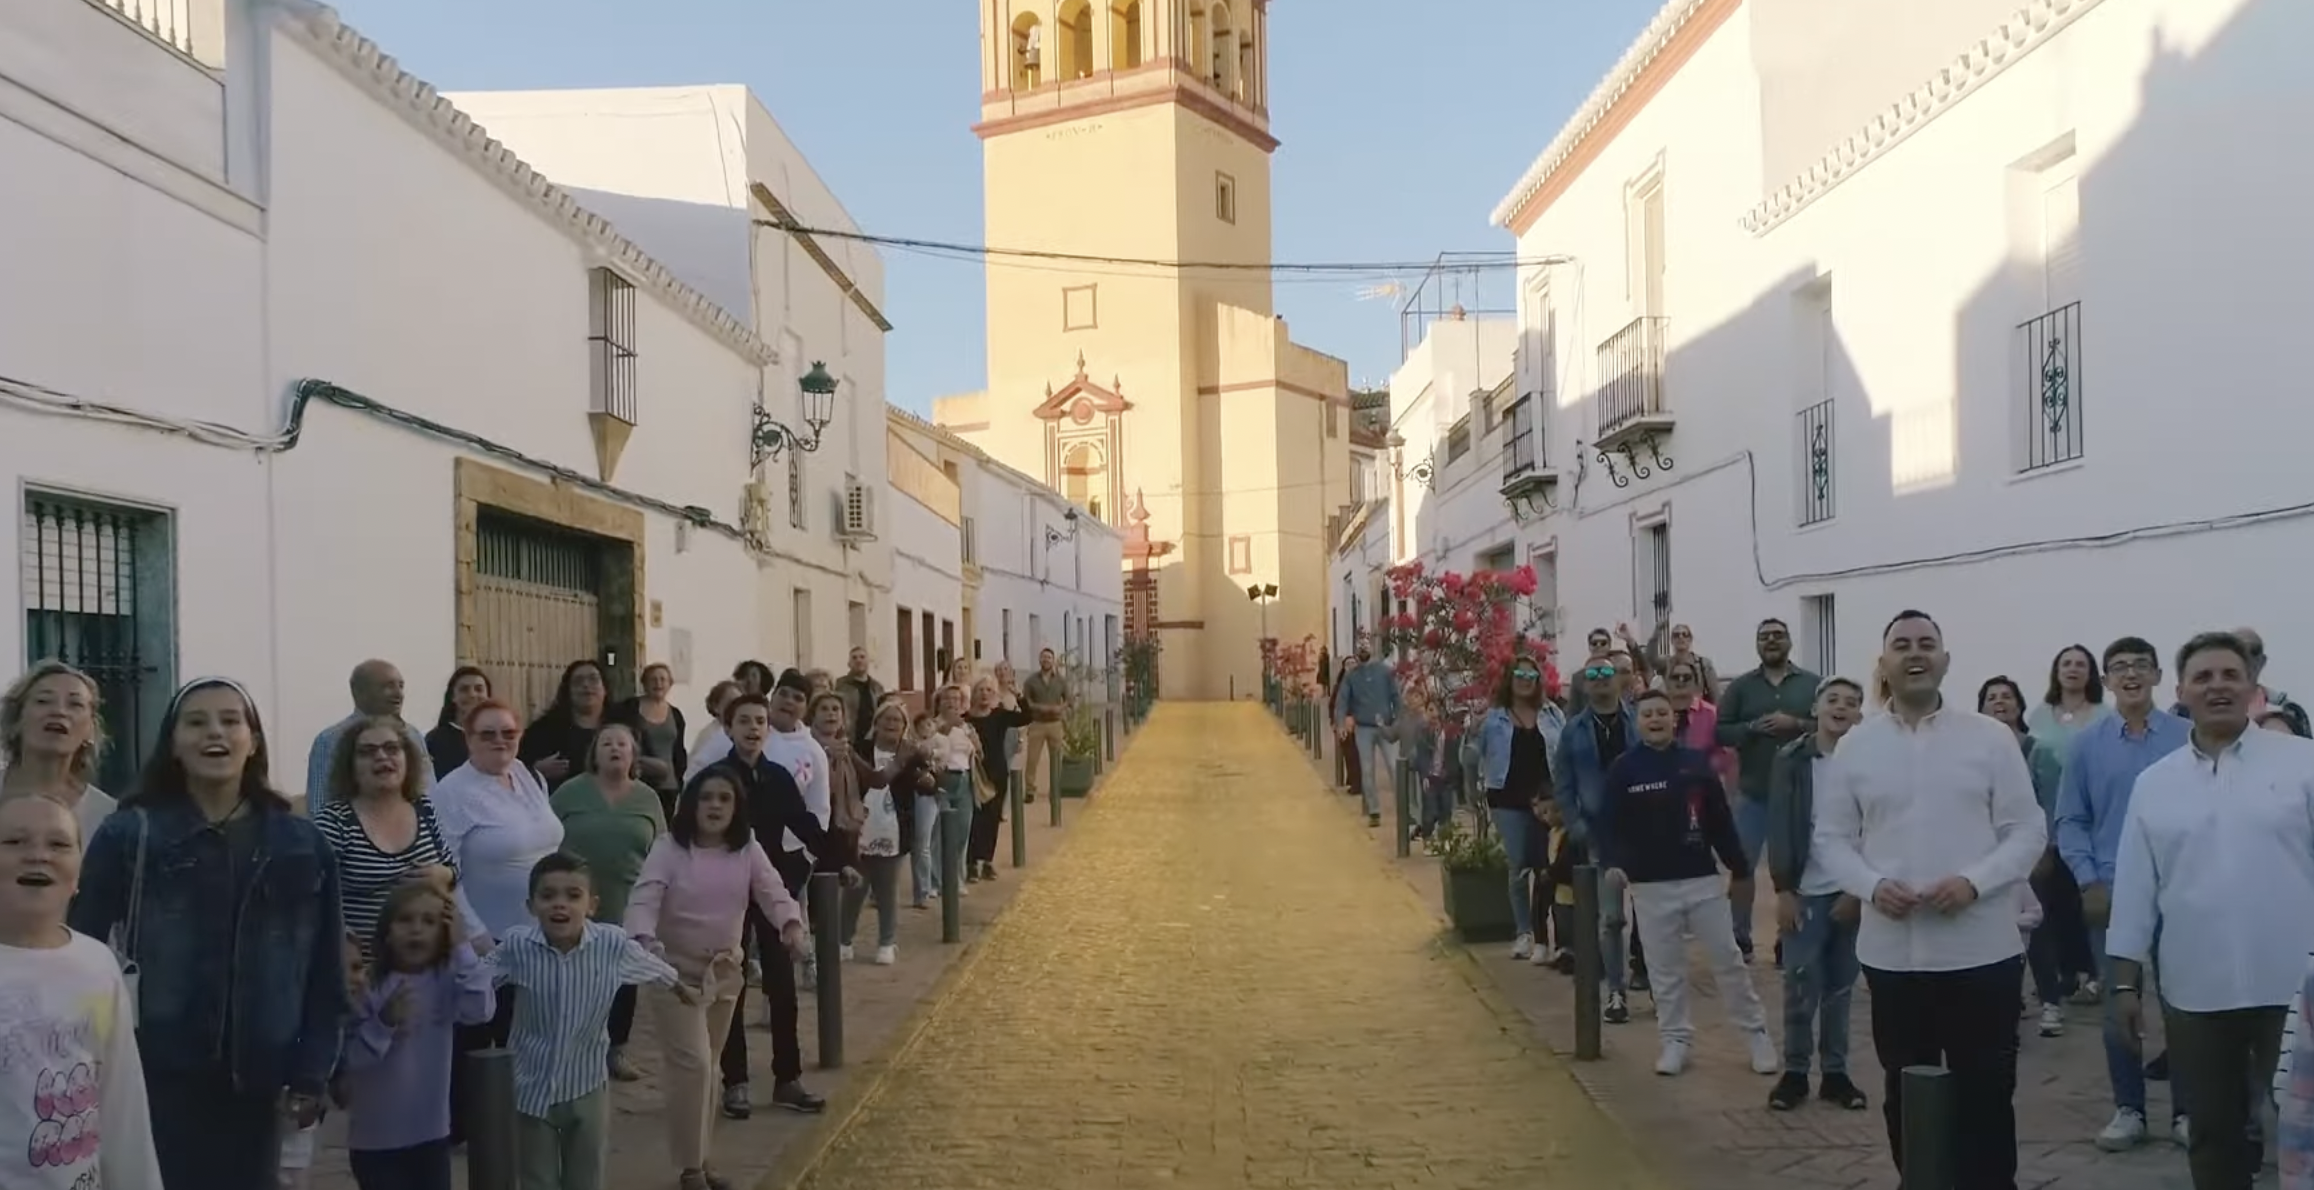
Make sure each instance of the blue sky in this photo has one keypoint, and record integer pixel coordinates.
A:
(1403, 124)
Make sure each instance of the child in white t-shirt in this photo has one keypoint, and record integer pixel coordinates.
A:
(77, 1101)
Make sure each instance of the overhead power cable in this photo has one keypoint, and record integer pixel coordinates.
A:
(1461, 262)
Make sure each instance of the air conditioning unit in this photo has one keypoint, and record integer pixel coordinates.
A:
(859, 512)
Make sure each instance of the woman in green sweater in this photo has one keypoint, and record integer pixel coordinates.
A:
(610, 817)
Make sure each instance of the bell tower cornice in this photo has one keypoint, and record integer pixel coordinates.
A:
(1049, 62)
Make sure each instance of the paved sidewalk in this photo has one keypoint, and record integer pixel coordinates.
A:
(878, 1003)
(1217, 987)
(1711, 1126)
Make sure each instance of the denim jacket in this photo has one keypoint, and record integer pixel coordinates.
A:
(1368, 694)
(282, 965)
(1494, 741)
(1578, 778)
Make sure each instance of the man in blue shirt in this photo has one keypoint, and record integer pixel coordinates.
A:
(1366, 705)
(1594, 739)
(2101, 768)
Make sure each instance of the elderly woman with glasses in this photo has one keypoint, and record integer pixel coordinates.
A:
(1515, 741)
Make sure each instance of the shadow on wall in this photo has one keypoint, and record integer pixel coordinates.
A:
(704, 244)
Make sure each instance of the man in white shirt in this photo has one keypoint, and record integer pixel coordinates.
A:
(2214, 883)
(1929, 818)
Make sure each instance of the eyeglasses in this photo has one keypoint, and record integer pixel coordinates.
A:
(1681, 679)
(497, 734)
(1598, 673)
(1524, 675)
(374, 751)
(2125, 669)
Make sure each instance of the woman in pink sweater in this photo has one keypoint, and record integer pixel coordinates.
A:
(689, 906)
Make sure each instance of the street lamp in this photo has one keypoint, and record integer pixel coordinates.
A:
(1054, 536)
(767, 437)
(1421, 471)
(1262, 593)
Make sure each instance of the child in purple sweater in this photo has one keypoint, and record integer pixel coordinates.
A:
(426, 981)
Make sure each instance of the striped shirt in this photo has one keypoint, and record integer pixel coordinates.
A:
(561, 1037)
(367, 873)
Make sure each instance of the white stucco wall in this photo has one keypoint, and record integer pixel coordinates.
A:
(674, 168)
(2190, 244)
(1076, 581)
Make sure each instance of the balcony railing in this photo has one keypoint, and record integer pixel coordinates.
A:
(2052, 410)
(1522, 452)
(170, 22)
(1631, 375)
(1815, 454)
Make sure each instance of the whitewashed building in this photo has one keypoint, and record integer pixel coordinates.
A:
(302, 368)
(1022, 568)
(1838, 307)
(698, 176)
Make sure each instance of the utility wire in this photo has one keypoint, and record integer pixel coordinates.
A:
(1462, 262)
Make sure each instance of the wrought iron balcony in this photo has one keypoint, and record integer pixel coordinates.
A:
(1633, 416)
(1527, 485)
(2051, 346)
(1814, 425)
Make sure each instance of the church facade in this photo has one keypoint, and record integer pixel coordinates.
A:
(1135, 359)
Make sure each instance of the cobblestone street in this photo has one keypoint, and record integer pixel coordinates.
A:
(1218, 985)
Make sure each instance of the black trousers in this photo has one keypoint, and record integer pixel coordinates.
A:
(464, 1040)
(208, 1133)
(778, 986)
(987, 824)
(623, 1015)
(2225, 1060)
(1966, 1022)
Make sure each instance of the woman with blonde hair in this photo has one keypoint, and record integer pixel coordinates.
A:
(50, 738)
(952, 748)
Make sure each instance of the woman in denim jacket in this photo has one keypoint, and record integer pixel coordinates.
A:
(1515, 741)
(236, 933)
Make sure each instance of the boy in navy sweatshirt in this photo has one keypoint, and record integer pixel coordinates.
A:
(1667, 831)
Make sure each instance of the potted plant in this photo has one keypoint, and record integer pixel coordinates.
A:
(1476, 882)
(1080, 744)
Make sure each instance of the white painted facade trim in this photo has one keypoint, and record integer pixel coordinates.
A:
(363, 61)
(1603, 100)
(2031, 28)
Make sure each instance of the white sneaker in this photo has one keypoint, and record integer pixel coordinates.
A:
(1523, 948)
(1673, 1059)
(844, 952)
(2052, 1020)
(2181, 1131)
(887, 955)
(1765, 1059)
(1541, 957)
(2125, 1131)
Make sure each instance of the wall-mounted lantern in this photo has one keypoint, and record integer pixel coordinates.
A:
(768, 438)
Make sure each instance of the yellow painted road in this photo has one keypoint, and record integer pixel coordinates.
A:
(1220, 984)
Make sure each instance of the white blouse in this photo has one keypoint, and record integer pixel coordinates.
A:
(496, 832)
(955, 748)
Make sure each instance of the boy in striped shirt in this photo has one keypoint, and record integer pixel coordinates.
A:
(569, 968)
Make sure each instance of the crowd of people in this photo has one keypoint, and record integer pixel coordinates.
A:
(2083, 846)
(197, 970)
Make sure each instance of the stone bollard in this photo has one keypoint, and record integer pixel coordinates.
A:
(1588, 972)
(492, 1154)
(827, 905)
(1930, 1128)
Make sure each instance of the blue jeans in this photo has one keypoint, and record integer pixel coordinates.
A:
(1751, 822)
(924, 858)
(1517, 827)
(1375, 771)
(2122, 1065)
(1437, 800)
(1819, 987)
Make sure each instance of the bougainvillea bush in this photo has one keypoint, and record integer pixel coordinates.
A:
(1456, 637)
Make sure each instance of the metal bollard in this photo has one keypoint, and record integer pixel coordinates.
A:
(1318, 733)
(491, 1151)
(1109, 733)
(1929, 1128)
(952, 833)
(1294, 718)
(1053, 782)
(827, 905)
(1401, 775)
(1588, 973)
(1014, 806)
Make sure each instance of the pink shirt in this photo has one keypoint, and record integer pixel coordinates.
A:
(694, 899)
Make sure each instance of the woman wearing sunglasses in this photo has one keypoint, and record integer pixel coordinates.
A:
(1515, 741)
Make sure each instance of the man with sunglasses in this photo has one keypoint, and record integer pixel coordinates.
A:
(1601, 643)
(1593, 740)
(1763, 710)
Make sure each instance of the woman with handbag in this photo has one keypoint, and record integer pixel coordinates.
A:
(994, 724)
(205, 862)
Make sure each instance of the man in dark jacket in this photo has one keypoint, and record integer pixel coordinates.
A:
(1815, 921)
(861, 692)
(1763, 710)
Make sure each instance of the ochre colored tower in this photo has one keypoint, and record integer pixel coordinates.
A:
(1154, 384)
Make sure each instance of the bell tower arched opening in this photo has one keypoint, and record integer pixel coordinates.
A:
(1074, 40)
(1125, 35)
(1027, 52)
(1225, 66)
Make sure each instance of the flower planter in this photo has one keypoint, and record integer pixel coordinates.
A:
(1478, 904)
(1076, 779)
